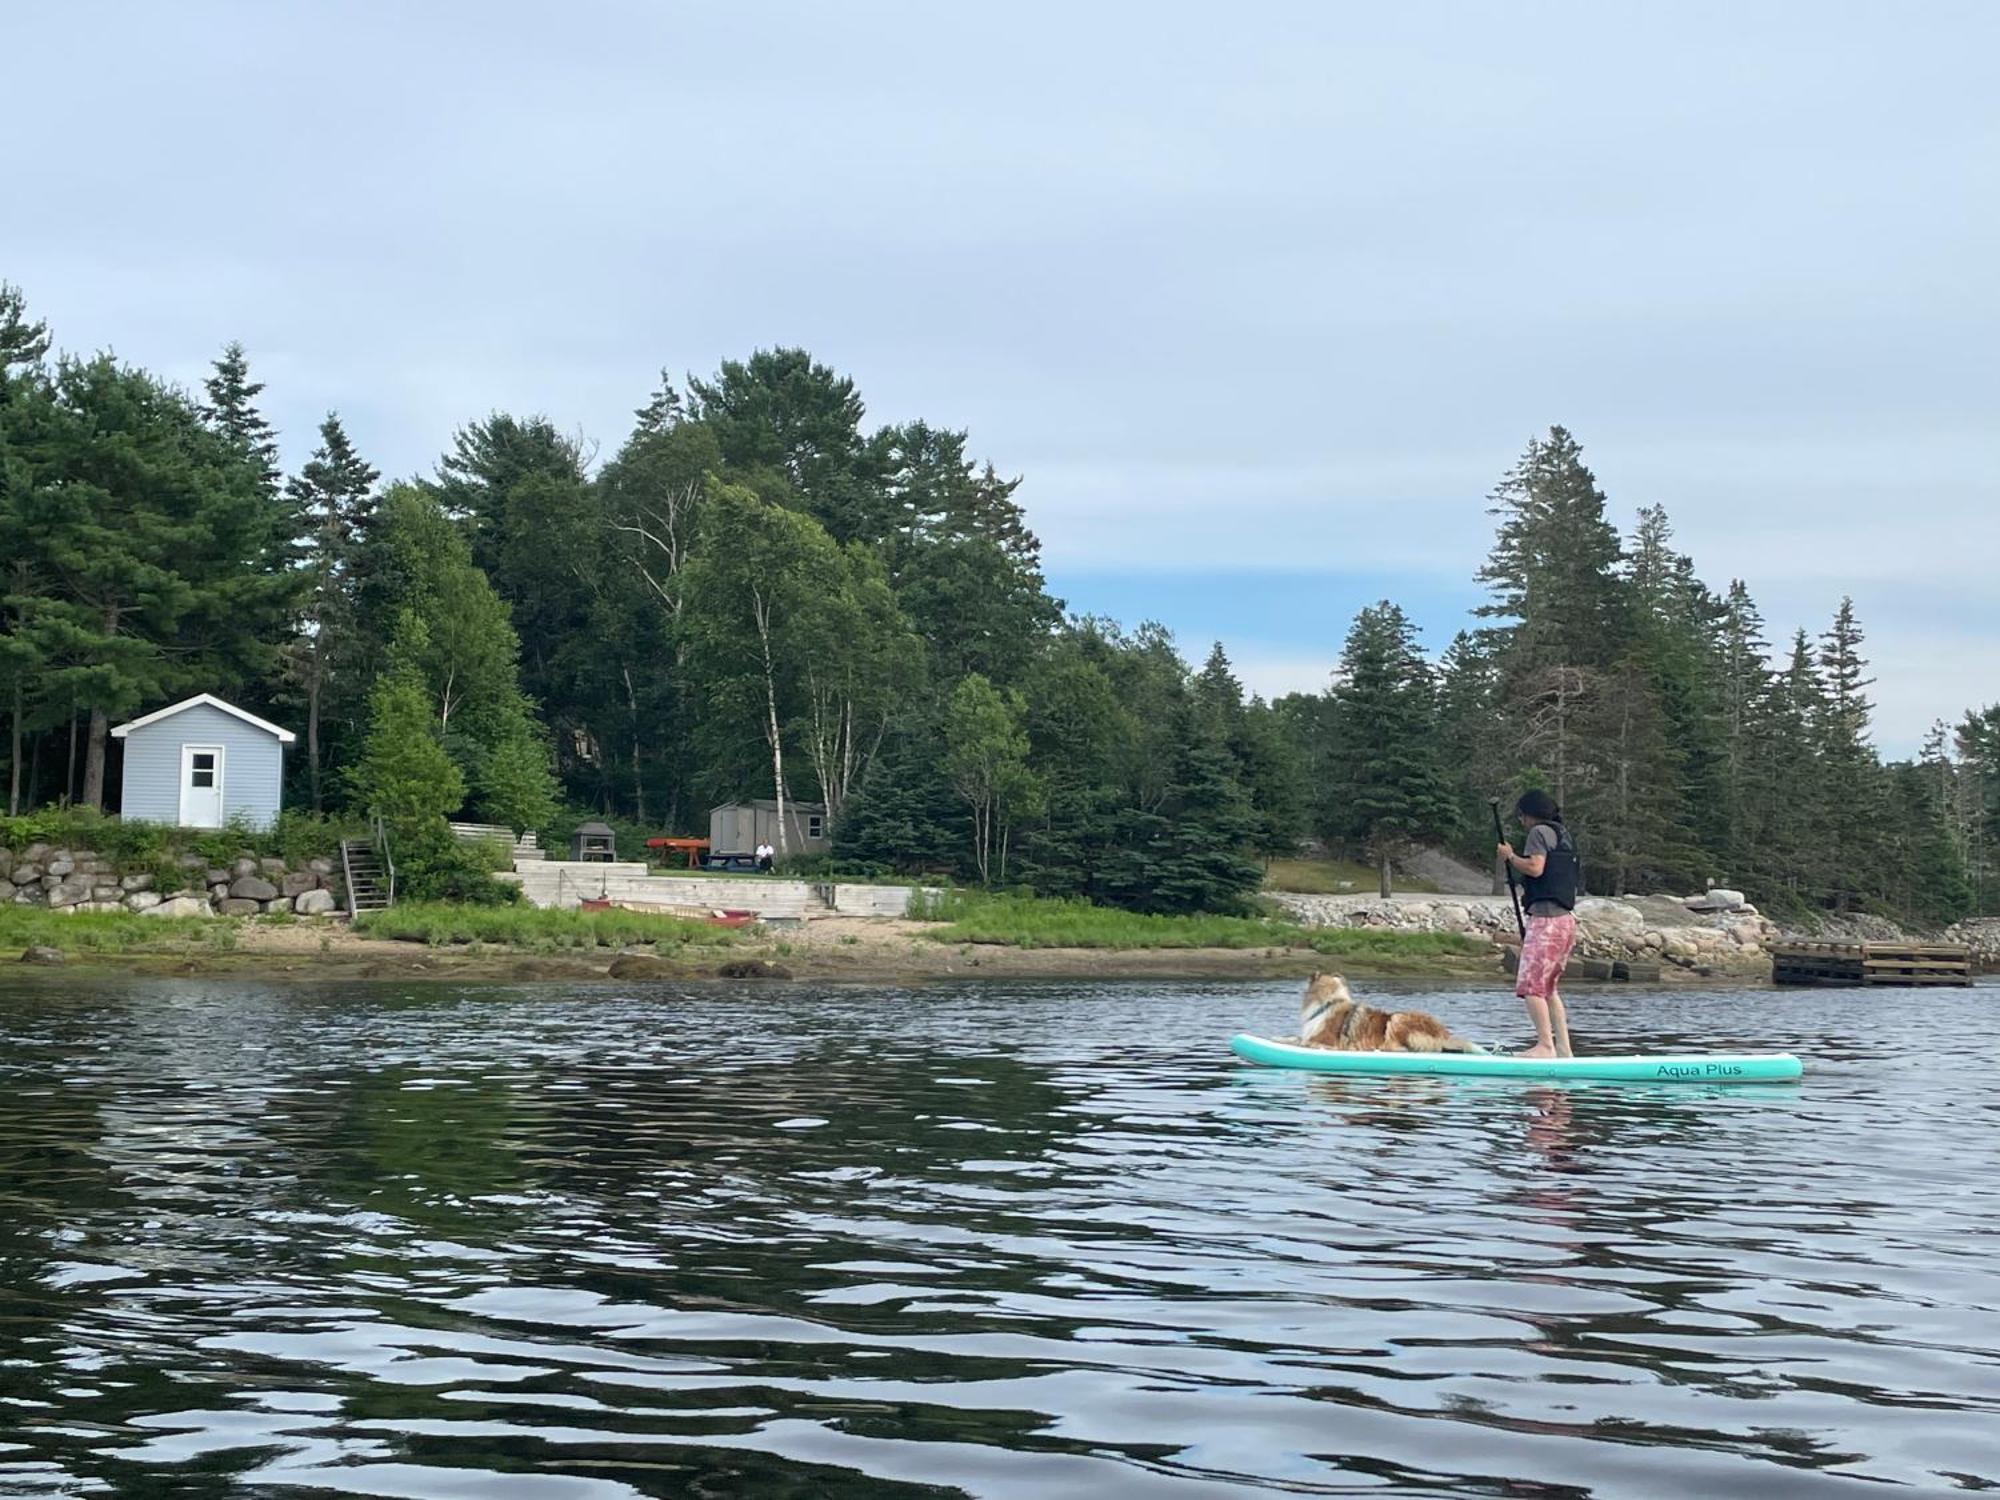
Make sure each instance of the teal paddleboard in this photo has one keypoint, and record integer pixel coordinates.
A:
(1695, 1067)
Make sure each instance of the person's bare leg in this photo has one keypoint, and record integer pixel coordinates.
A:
(1559, 1026)
(1538, 1012)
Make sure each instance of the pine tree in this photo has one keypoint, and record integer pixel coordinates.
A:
(1850, 777)
(1388, 782)
(1191, 853)
(159, 556)
(232, 411)
(1743, 680)
(1553, 571)
(23, 344)
(334, 497)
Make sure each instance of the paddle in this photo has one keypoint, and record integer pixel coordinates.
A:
(1513, 889)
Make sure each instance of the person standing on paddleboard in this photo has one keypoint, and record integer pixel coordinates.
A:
(1548, 865)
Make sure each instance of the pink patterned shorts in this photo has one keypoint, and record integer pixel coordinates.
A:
(1544, 951)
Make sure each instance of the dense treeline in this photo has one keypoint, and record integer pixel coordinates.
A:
(759, 595)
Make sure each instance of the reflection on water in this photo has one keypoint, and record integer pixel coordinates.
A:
(1038, 1241)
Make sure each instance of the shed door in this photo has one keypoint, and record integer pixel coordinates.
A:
(201, 786)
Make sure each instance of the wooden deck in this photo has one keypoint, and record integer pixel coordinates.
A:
(1856, 964)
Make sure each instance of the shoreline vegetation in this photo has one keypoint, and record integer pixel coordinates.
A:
(973, 936)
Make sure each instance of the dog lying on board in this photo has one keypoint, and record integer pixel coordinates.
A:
(1330, 1017)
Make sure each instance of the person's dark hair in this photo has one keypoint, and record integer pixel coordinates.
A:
(1539, 804)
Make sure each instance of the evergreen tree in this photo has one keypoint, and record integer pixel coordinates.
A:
(1849, 771)
(1391, 788)
(232, 411)
(159, 557)
(905, 815)
(334, 498)
(23, 344)
(782, 413)
(1553, 571)
(1472, 744)
(1743, 681)
(1192, 854)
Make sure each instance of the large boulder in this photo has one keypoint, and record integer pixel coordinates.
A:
(274, 907)
(178, 906)
(314, 903)
(6, 890)
(141, 900)
(136, 883)
(298, 883)
(1603, 918)
(252, 888)
(67, 893)
(218, 890)
(44, 955)
(320, 866)
(275, 868)
(217, 875)
(244, 866)
(1715, 899)
(27, 872)
(36, 852)
(103, 892)
(238, 906)
(60, 863)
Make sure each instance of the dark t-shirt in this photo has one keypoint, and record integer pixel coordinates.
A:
(1542, 839)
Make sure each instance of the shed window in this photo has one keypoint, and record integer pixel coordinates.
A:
(203, 769)
(813, 822)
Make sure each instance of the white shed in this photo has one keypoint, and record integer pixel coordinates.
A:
(201, 763)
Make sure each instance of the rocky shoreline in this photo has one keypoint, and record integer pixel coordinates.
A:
(1648, 936)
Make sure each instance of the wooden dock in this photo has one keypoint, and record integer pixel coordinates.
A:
(1855, 964)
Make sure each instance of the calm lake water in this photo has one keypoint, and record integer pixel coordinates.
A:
(1050, 1241)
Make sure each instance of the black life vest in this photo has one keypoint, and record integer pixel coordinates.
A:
(1561, 879)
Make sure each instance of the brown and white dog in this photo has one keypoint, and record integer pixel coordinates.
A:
(1331, 1017)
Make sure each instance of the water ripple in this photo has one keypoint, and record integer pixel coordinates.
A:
(1048, 1241)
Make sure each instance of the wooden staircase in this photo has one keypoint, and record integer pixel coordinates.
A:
(371, 883)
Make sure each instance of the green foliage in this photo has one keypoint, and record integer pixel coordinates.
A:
(148, 555)
(1026, 922)
(761, 594)
(440, 924)
(136, 846)
(1385, 750)
(986, 757)
(105, 931)
(404, 775)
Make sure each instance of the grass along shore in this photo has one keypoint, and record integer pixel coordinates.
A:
(535, 929)
(1027, 922)
(966, 936)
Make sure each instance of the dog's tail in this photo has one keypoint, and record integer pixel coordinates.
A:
(1460, 1044)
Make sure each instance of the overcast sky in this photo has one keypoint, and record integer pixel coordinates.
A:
(1261, 298)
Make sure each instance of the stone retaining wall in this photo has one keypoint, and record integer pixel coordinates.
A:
(81, 880)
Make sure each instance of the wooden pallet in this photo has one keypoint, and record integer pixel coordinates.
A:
(1858, 964)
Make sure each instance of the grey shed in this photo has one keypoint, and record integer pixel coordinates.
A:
(202, 763)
